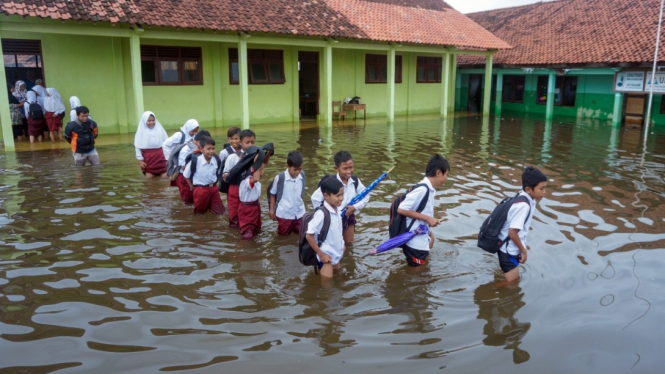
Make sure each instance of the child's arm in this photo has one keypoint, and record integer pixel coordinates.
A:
(432, 239)
(513, 234)
(188, 175)
(432, 222)
(317, 198)
(271, 206)
(322, 256)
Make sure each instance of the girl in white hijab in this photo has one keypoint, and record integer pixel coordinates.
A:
(55, 111)
(148, 141)
(186, 133)
(20, 92)
(35, 125)
(74, 102)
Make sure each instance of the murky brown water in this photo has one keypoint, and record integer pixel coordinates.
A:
(102, 271)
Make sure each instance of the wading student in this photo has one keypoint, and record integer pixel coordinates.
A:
(247, 139)
(233, 139)
(186, 133)
(417, 249)
(35, 117)
(193, 147)
(55, 112)
(201, 174)
(81, 134)
(148, 141)
(332, 249)
(352, 185)
(249, 211)
(516, 228)
(286, 204)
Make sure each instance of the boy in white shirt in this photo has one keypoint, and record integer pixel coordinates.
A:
(286, 196)
(332, 249)
(201, 175)
(249, 212)
(247, 139)
(192, 147)
(518, 222)
(233, 138)
(417, 249)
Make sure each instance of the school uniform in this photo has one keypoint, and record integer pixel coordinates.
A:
(186, 194)
(290, 207)
(35, 125)
(519, 217)
(55, 109)
(249, 211)
(333, 246)
(148, 145)
(225, 153)
(417, 249)
(206, 194)
(350, 191)
(233, 196)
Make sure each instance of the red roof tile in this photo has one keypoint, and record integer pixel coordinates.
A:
(573, 32)
(429, 22)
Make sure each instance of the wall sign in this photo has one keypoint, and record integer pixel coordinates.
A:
(630, 81)
(658, 83)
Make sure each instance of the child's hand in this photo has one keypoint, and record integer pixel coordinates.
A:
(325, 258)
(523, 257)
(350, 210)
(432, 239)
(142, 165)
(272, 215)
(433, 222)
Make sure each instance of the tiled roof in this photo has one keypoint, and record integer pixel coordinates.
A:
(573, 32)
(430, 22)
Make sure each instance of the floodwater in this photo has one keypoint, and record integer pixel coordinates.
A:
(102, 271)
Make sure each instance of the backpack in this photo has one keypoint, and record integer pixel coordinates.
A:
(194, 158)
(306, 254)
(172, 167)
(488, 237)
(397, 221)
(35, 111)
(224, 185)
(354, 179)
(280, 188)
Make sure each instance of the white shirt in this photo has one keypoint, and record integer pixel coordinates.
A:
(291, 206)
(517, 219)
(206, 172)
(184, 152)
(249, 194)
(349, 194)
(333, 246)
(231, 161)
(169, 144)
(411, 202)
(224, 154)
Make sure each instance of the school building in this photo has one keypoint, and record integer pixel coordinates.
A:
(236, 63)
(577, 58)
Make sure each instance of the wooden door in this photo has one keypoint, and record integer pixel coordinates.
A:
(634, 108)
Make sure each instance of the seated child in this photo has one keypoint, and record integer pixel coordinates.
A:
(417, 249)
(332, 249)
(194, 146)
(233, 138)
(247, 139)
(201, 175)
(249, 212)
(286, 196)
(352, 185)
(516, 228)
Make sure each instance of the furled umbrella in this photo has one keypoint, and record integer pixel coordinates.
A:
(361, 195)
(398, 241)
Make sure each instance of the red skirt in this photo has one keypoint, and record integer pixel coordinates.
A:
(185, 193)
(233, 201)
(155, 163)
(288, 226)
(249, 215)
(35, 126)
(207, 198)
(53, 122)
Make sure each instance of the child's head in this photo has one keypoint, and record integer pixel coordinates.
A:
(207, 145)
(534, 183)
(247, 139)
(233, 137)
(333, 191)
(82, 113)
(437, 170)
(200, 135)
(294, 163)
(344, 164)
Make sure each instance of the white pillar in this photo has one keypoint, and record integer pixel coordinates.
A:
(244, 82)
(445, 85)
(391, 85)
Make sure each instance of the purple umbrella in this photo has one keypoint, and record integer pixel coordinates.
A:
(398, 241)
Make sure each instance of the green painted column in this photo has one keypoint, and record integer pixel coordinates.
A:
(295, 78)
(326, 85)
(137, 82)
(618, 109)
(445, 85)
(216, 54)
(391, 85)
(551, 82)
(243, 81)
(5, 116)
(499, 94)
(453, 83)
(487, 97)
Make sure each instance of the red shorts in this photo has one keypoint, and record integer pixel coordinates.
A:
(53, 122)
(207, 198)
(288, 226)
(185, 193)
(233, 201)
(250, 219)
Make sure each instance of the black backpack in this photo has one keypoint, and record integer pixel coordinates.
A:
(280, 188)
(306, 254)
(194, 158)
(172, 167)
(354, 179)
(397, 221)
(488, 237)
(35, 111)
(224, 185)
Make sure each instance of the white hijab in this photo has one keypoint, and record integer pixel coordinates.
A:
(74, 102)
(31, 98)
(42, 95)
(149, 138)
(20, 95)
(189, 126)
(53, 102)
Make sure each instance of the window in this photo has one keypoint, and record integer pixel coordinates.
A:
(429, 70)
(376, 69)
(171, 66)
(513, 88)
(265, 66)
(565, 90)
(23, 60)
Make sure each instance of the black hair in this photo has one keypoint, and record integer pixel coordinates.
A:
(247, 134)
(531, 177)
(294, 159)
(436, 162)
(199, 135)
(330, 186)
(205, 141)
(82, 109)
(342, 156)
(232, 131)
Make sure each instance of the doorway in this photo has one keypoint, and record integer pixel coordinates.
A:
(475, 93)
(23, 61)
(634, 109)
(308, 84)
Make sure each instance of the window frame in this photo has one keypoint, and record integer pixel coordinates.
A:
(265, 57)
(163, 53)
(378, 62)
(8, 50)
(428, 63)
(513, 80)
(560, 84)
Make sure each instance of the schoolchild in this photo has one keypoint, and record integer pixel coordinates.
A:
(352, 186)
(34, 113)
(148, 140)
(249, 211)
(516, 228)
(191, 148)
(332, 249)
(233, 139)
(417, 249)
(247, 139)
(286, 205)
(201, 175)
(186, 133)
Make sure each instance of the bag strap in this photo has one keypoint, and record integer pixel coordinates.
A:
(194, 161)
(356, 182)
(323, 235)
(182, 137)
(518, 199)
(281, 178)
(423, 202)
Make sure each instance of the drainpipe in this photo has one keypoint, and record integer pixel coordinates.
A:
(647, 119)
(551, 82)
